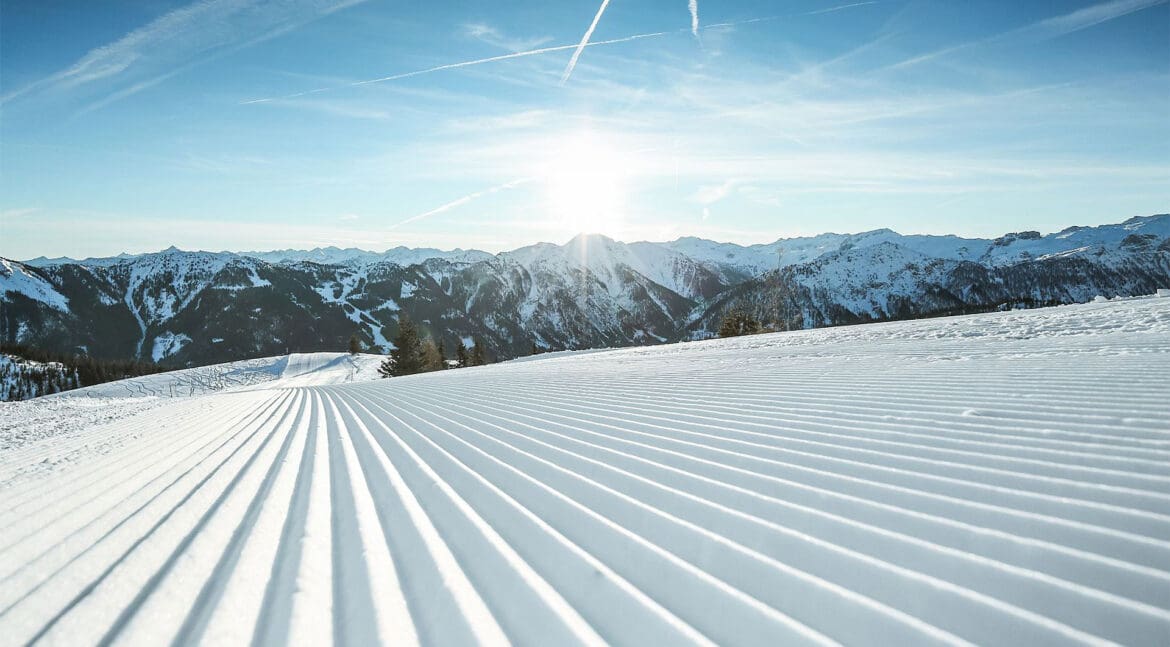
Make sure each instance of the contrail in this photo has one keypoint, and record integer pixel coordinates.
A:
(462, 201)
(839, 8)
(452, 66)
(584, 42)
(693, 5)
(791, 15)
(1094, 15)
(543, 50)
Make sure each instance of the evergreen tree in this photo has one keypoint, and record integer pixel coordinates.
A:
(477, 356)
(461, 355)
(406, 358)
(535, 350)
(355, 344)
(431, 359)
(736, 323)
(442, 354)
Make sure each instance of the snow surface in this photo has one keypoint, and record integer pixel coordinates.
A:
(75, 412)
(997, 479)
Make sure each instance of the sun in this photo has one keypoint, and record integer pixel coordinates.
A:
(586, 177)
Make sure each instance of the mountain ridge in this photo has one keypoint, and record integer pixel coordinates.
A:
(189, 308)
(685, 244)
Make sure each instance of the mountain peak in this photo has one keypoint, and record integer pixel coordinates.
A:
(587, 238)
(882, 231)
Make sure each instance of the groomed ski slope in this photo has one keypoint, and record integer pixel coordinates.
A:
(996, 479)
(75, 412)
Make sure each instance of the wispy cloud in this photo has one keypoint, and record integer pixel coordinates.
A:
(1047, 28)
(522, 120)
(459, 202)
(494, 37)
(1094, 15)
(131, 90)
(859, 136)
(584, 42)
(693, 6)
(709, 194)
(345, 109)
(178, 40)
(13, 214)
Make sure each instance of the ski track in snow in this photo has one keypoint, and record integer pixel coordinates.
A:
(991, 479)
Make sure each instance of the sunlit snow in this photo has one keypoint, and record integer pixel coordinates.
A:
(995, 479)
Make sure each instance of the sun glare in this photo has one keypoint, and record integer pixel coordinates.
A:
(585, 178)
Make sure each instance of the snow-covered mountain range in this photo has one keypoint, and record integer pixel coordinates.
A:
(190, 308)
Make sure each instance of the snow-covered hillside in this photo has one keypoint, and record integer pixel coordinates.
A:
(996, 479)
(15, 278)
(21, 378)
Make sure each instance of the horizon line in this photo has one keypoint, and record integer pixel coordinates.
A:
(247, 253)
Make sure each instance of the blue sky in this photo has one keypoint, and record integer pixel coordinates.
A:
(250, 125)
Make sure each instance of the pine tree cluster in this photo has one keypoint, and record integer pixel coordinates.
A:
(413, 354)
(21, 379)
(738, 322)
(62, 372)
